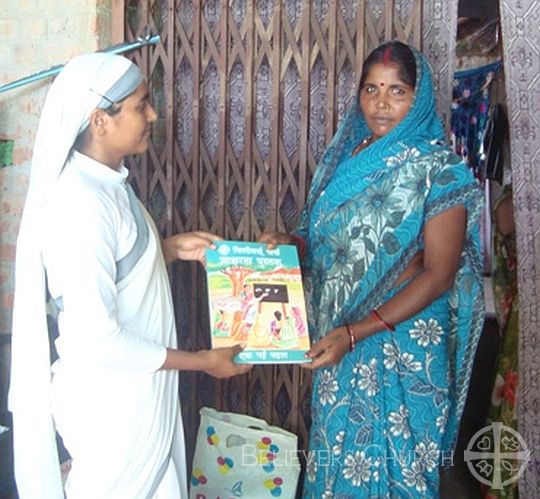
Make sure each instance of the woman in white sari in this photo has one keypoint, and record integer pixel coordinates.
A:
(113, 392)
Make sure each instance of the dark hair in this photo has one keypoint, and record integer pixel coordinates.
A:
(114, 108)
(392, 52)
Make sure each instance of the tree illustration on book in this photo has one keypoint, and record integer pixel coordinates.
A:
(256, 297)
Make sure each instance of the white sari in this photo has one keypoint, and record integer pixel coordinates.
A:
(118, 414)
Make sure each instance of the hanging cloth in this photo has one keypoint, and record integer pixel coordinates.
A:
(495, 135)
(470, 106)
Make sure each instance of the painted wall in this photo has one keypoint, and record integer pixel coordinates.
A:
(34, 35)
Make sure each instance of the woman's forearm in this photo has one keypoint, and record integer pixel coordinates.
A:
(422, 290)
(218, 362)
(444, 236)
(184, 361)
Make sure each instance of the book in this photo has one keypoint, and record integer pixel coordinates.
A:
(256, 297)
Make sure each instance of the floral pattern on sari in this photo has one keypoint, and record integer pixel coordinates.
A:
(386, 416)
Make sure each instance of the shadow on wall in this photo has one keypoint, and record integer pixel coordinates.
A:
(457, 481)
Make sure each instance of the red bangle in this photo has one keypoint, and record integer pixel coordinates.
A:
(352, 339)
(300, 245)
(381, 321)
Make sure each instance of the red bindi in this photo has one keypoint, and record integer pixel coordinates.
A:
(382, 84)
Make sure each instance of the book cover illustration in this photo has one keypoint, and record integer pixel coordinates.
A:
(256, 297)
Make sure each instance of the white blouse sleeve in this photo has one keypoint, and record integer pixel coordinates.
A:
(81, 266)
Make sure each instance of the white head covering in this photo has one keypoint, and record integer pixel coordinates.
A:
(76, 92)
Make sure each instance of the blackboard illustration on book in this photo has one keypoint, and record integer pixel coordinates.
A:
(256, 297)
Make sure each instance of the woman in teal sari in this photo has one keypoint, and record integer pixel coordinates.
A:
(394, 277)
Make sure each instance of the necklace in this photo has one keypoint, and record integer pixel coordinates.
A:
(363, 144)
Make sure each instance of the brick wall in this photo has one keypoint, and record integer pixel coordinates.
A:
(34, 35)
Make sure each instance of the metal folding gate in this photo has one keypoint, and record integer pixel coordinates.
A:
(248, 94)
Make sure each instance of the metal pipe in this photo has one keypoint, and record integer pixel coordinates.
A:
(54, 70)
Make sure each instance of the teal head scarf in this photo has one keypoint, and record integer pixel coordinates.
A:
(421, 128)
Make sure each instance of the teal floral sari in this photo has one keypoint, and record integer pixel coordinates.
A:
(386, 417)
